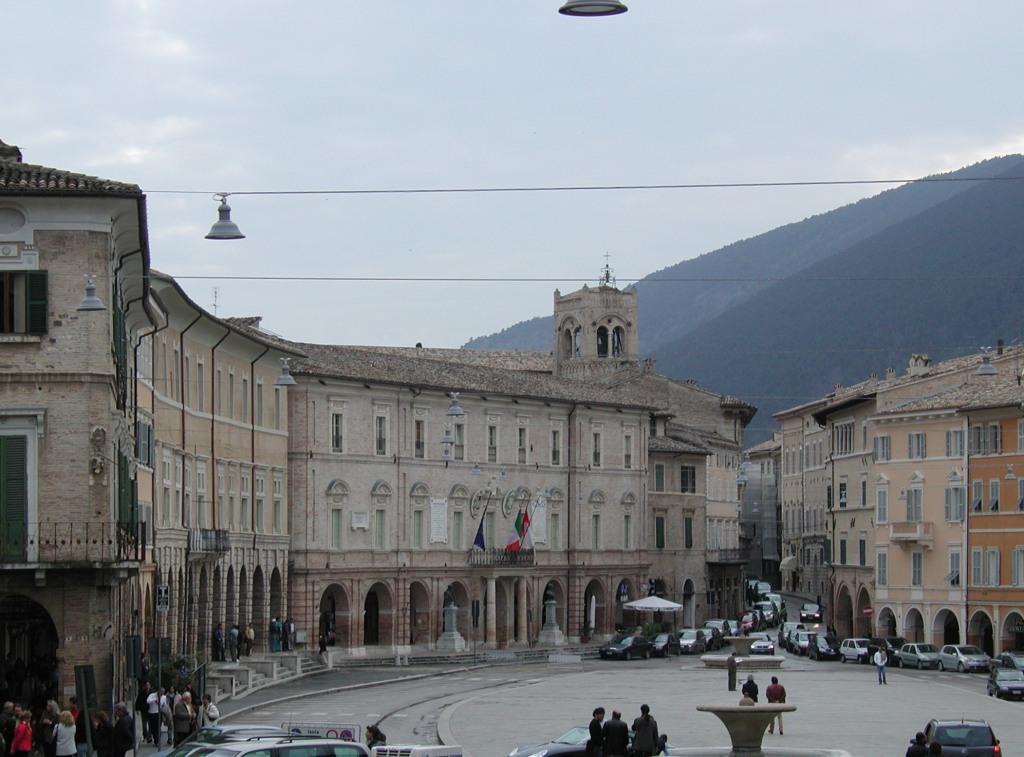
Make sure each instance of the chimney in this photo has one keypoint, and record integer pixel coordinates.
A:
(918, 365)
(890, 373)
(999, 347)
(9, 152)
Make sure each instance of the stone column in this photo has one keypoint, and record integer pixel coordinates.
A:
(523, 636)
(491, 615)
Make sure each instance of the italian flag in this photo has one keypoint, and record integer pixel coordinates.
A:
(514, 538)
(525, 537)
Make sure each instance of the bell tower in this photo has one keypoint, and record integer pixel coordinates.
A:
(596, 331)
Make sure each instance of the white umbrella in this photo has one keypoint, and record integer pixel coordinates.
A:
(652, 604)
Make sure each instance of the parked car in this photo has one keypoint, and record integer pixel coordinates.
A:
(212, 735)
(572, 743)
(293, 746)
(853, 650)
(970, 738)
(769, 611)
(790, 640)
(890, 644)
(1012, 660)
(750, 621)
(963, 657)
(784, 630)
(823, 647)
(777, 600)
(810, 613)
(918, 656)
(665, 644)
(717, 629)
(1006, 683)
(692, 641)
(762, 644)
(626, 648)
(763, 587)
(802, 642)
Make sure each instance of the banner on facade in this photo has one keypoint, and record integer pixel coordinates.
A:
(438, 521)
(539, 521)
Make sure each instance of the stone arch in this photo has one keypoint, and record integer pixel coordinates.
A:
(334, 616)
(28, 632)
(337, 492)
(624, 592)
(980, 632)
(1012, 636)
(862, 620)
(886, 622)
(420, 615)
(597, 498)
(603, 341)
(595, 619)
(689, 609)
(945, 628)
(380, 489)
(843, 620)
(628, 499)
(378, 616)
(277, 609)
(458, 593)
(913, 625)
(419, 490)
(260, 621)
(565, 343)
(618, 341)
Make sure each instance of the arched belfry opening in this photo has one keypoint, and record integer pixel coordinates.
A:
(602, 341)
(594, 324)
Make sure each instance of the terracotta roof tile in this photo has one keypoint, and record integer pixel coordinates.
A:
(25, 178)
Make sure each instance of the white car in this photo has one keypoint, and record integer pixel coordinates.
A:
(854, 650)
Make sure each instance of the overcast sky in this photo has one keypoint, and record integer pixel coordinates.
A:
(255, 95)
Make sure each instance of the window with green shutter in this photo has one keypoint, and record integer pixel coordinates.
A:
(23, 302)
(13, 496)
(659, 532)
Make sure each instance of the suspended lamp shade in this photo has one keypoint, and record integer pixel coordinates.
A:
(592, 8)
(285, 379)
(224, 228)
(91, 301)
(986, 368)
(454, 408)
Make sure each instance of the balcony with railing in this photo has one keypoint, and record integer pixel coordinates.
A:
(732, 556)
(72, 544)
(911, 532)
(207, 543)
(500, 558)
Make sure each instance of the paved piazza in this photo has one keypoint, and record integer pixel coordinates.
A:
(492, 709)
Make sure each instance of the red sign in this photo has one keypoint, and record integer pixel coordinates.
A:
(869, 611)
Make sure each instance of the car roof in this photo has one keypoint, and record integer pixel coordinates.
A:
(960, 721)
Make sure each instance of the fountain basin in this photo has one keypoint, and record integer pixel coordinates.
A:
(746, 724)
(754, 662)
(741, 644)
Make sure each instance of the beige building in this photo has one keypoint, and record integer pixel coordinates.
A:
(72, 536)
(215, 474)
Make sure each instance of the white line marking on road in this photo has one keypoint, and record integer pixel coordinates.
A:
(345, 714)
(373, 714)
(475, 678)
(400, 715)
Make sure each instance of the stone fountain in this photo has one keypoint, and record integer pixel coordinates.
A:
(746, 724)
(744, 660)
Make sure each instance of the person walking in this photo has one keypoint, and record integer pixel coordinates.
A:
(775, 694)
(208, 712)
(750, 688)
(21, 743)
(233, 634)
(124, 730)
(250, 639)
(153, 716)
(595, 744)
(140, 707)
(919, 746)
(182, 718)
(880, 659)
(615, 736)
(730, 664)
(218, 643)
(64, 735)
(167, 715)
(645, 733)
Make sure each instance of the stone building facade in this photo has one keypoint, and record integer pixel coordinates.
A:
(215, 474)
(71, 534)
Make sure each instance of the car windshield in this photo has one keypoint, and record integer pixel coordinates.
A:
(859, 643)
(968, 649)
(1009, 674)
(810, 608)
(620, 640)
(661, 638)
(927, 649)
(575, 736)
(688, 635)
(962, 734)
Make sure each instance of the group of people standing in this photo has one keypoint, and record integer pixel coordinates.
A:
(611, 738)
(179, 712)
(54, 732)
(238, 641)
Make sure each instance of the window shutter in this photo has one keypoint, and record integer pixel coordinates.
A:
(13, 495)
(949, 508)
(35, 302)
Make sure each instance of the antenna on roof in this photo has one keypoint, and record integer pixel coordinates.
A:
(607, 273)
(216, 292)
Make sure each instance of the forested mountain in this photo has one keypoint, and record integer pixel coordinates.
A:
(945, 281)
(670, 310)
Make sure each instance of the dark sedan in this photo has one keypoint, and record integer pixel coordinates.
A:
(810, 613)
(692, 641)
(823, 647)
(969, 738)
(626, 648)
(1006, 683)
(572, 743)
(1012, 660)
(665, 644)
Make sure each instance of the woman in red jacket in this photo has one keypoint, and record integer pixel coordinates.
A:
(21, 745)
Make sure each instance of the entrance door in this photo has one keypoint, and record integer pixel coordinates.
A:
(371, 619)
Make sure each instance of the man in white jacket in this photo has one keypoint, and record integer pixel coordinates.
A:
(880, 659)
(208, 713)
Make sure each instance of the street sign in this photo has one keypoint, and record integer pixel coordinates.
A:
(869, 611)
(342, 731)
(163, 598)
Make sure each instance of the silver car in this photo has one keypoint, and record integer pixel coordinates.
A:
(962, 658)
(918, 656)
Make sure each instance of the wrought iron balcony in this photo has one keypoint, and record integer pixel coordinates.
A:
(72, 543)
(729, 556)
(911, 532)
(204, 543)
(500, 558)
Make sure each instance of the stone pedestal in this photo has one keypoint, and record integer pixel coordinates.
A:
(451, 640)
(550, 634)
(746, 724)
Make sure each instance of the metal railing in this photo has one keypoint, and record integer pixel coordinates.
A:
(208, 541)
(500, 558)
(72, 542)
